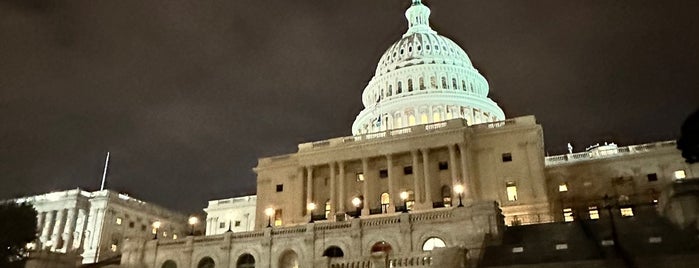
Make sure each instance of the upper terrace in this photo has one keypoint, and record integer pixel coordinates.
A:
(609, 153)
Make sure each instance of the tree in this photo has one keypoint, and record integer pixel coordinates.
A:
(17, 228)
(689, 138)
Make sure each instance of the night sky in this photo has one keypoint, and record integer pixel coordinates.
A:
(188, 94)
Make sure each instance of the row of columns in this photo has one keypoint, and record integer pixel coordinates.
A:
(421, 180)
(59, 229)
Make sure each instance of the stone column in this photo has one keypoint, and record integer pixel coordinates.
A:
(466, 181)
(454, 174)
(79, 235)
(47, 228)
(416, 178)
(365, 186)
(309, 186)
(428, 180)
(333, 201)
(69, 230)
(58, 229)
(341, 199)
(39, 226)
(391, 184)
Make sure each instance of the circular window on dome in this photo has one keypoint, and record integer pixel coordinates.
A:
(401, 51)
(410, 49)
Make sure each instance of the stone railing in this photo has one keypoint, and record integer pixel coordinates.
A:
(432, 215)
(416, 260)
(289, 230)
(608, 153)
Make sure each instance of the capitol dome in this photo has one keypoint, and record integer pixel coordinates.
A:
(424, 78)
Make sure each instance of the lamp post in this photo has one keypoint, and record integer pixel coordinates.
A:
(311, 207)
(459, 189)
(404, 196)
(357, 202)
(269, 212)
(156, 226)
(192, 221)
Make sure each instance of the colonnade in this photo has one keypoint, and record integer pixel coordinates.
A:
(422, 181)
(61, 229)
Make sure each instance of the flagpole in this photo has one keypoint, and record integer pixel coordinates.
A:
(104, 174)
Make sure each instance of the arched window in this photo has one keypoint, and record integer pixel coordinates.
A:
(327, 209)
(423, 118)
(397, 121)
(385, 200)
(422, 83)
(333, 252)
(400, 87)
(446, 196)
(245, 261)
(289, 259)
(411, 120)
(453, 83)
(433, 242)
(206, 262)
(169, 264)
(433, 82)
(410, 85)
(444, 83)
(390, 89)
(463, 85)
(437, 116)
(382, 246)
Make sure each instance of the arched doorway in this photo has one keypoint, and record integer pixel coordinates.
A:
(289, 260)
(382, 246)
(333, 252)
(206, 262)
(433, 242)
(245, 261)
(169, 264)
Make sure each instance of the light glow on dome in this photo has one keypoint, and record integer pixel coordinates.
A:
(448, 86)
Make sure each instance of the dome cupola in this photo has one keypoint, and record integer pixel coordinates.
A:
(424, 78)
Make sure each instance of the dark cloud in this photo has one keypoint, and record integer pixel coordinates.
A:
(187, 94)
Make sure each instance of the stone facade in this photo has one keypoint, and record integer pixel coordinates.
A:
(400, 236)
(232, 214)
(95, 224)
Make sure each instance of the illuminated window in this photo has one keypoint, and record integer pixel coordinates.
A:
(433, 242)
(563, 187)
(410, 201)
(411, 120)
(568, 214)
(114, 248)
(385, 200)
(561, 246)
(174, 236)
(164, 234)
(594, 213)
(517, 249)
(327, 209)
(680, 174)
(360, 176)
(118, 221)
(278, 217)
(626, 212)
(423, 118)
(511, 191)
(436, 117)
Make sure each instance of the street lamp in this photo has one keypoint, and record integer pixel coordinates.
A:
(311, 207)
(404, 196)
(269, 212)
(357, 202)
(156, 226)
(459, 189)
(192, 221)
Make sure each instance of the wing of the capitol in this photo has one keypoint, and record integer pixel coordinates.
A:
(434, 175)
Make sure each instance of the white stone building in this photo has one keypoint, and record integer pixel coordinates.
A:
(232, 214)
(430, 177)
(95, 224)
